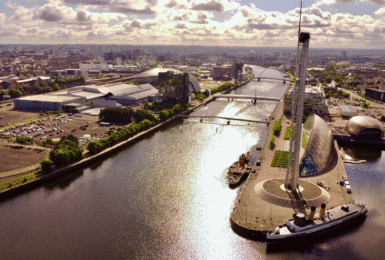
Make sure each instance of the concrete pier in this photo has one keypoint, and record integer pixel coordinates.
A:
(263, 203)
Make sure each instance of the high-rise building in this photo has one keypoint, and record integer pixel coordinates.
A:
(174, 86)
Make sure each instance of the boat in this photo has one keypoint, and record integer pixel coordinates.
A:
(239, 169)
(300, 226)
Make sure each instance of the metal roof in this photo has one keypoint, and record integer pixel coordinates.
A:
(358, 123)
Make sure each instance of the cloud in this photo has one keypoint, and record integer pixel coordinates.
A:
(3, 17)
(345, 2)
(52, 13)
(209, 6)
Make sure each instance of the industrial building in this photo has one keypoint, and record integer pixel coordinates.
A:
(314, 99)
(132, 94)
(348, 110)
(45, 102)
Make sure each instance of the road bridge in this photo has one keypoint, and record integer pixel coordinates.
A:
(226, 118)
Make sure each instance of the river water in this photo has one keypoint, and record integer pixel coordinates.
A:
(166, 197)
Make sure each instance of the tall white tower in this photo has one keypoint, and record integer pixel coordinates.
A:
(292, 177)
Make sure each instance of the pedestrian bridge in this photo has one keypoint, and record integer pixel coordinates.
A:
(255, 98)
(226, 118)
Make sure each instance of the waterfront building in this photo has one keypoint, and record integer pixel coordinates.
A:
(314, 99)
(365, 127)
(317, 144)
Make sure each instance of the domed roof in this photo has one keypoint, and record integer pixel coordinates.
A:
(358, 123)
(194, 84)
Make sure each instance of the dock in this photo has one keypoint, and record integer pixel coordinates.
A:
(263, 204)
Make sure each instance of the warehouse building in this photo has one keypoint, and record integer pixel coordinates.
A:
(132, 94)
(46, 102)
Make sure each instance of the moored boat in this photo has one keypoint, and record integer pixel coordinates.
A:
(239, 170)
(300, 226)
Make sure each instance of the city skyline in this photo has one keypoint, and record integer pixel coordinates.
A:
(332, 23)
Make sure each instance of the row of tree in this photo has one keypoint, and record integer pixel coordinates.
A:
(57, 84)
(119, 136)
(223, 87)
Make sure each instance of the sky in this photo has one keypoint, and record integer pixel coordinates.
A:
(358, 24)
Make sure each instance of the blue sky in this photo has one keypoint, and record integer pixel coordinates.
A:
(268, 23)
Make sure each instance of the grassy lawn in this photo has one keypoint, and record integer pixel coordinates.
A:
(280, 159)
(17, 180)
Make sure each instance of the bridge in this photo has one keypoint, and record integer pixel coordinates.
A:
(255, 98)
(284, 74)
(226, 118)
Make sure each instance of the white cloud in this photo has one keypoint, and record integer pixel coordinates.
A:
(345, 2)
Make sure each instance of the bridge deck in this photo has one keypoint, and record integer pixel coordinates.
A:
(245, 97)
(226, 118)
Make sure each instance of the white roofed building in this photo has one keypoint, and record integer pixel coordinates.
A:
(132, 94)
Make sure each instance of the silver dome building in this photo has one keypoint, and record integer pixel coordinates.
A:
(365, 127)
(317, 142)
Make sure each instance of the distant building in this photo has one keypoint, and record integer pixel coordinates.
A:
(314, 99)
(375, 93)
(6, 69)
(174, 85)
(236, 68)
(219, 72)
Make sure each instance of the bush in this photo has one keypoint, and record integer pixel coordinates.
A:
(272, 141)
(95, 147)
(46, 166)
(277, 127)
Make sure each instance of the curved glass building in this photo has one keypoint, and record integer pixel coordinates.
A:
(317, 144)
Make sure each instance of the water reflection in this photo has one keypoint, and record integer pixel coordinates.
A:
(357, 153)
(64, 181)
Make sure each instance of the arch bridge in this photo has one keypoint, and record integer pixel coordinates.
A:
(284, 75)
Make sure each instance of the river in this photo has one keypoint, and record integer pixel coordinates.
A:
(166, 197)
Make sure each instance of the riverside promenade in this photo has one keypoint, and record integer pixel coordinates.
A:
(263, 204)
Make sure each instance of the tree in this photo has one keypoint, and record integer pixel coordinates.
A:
(2, 93)
(164, 115)
(95, 147)
(15, 93)
(56, 87)
(46, 166)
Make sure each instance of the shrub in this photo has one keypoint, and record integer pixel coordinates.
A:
(277, 127)
(272, 141)
(95, 147)
(46, 166)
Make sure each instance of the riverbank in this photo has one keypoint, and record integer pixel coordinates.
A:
(39, 180)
